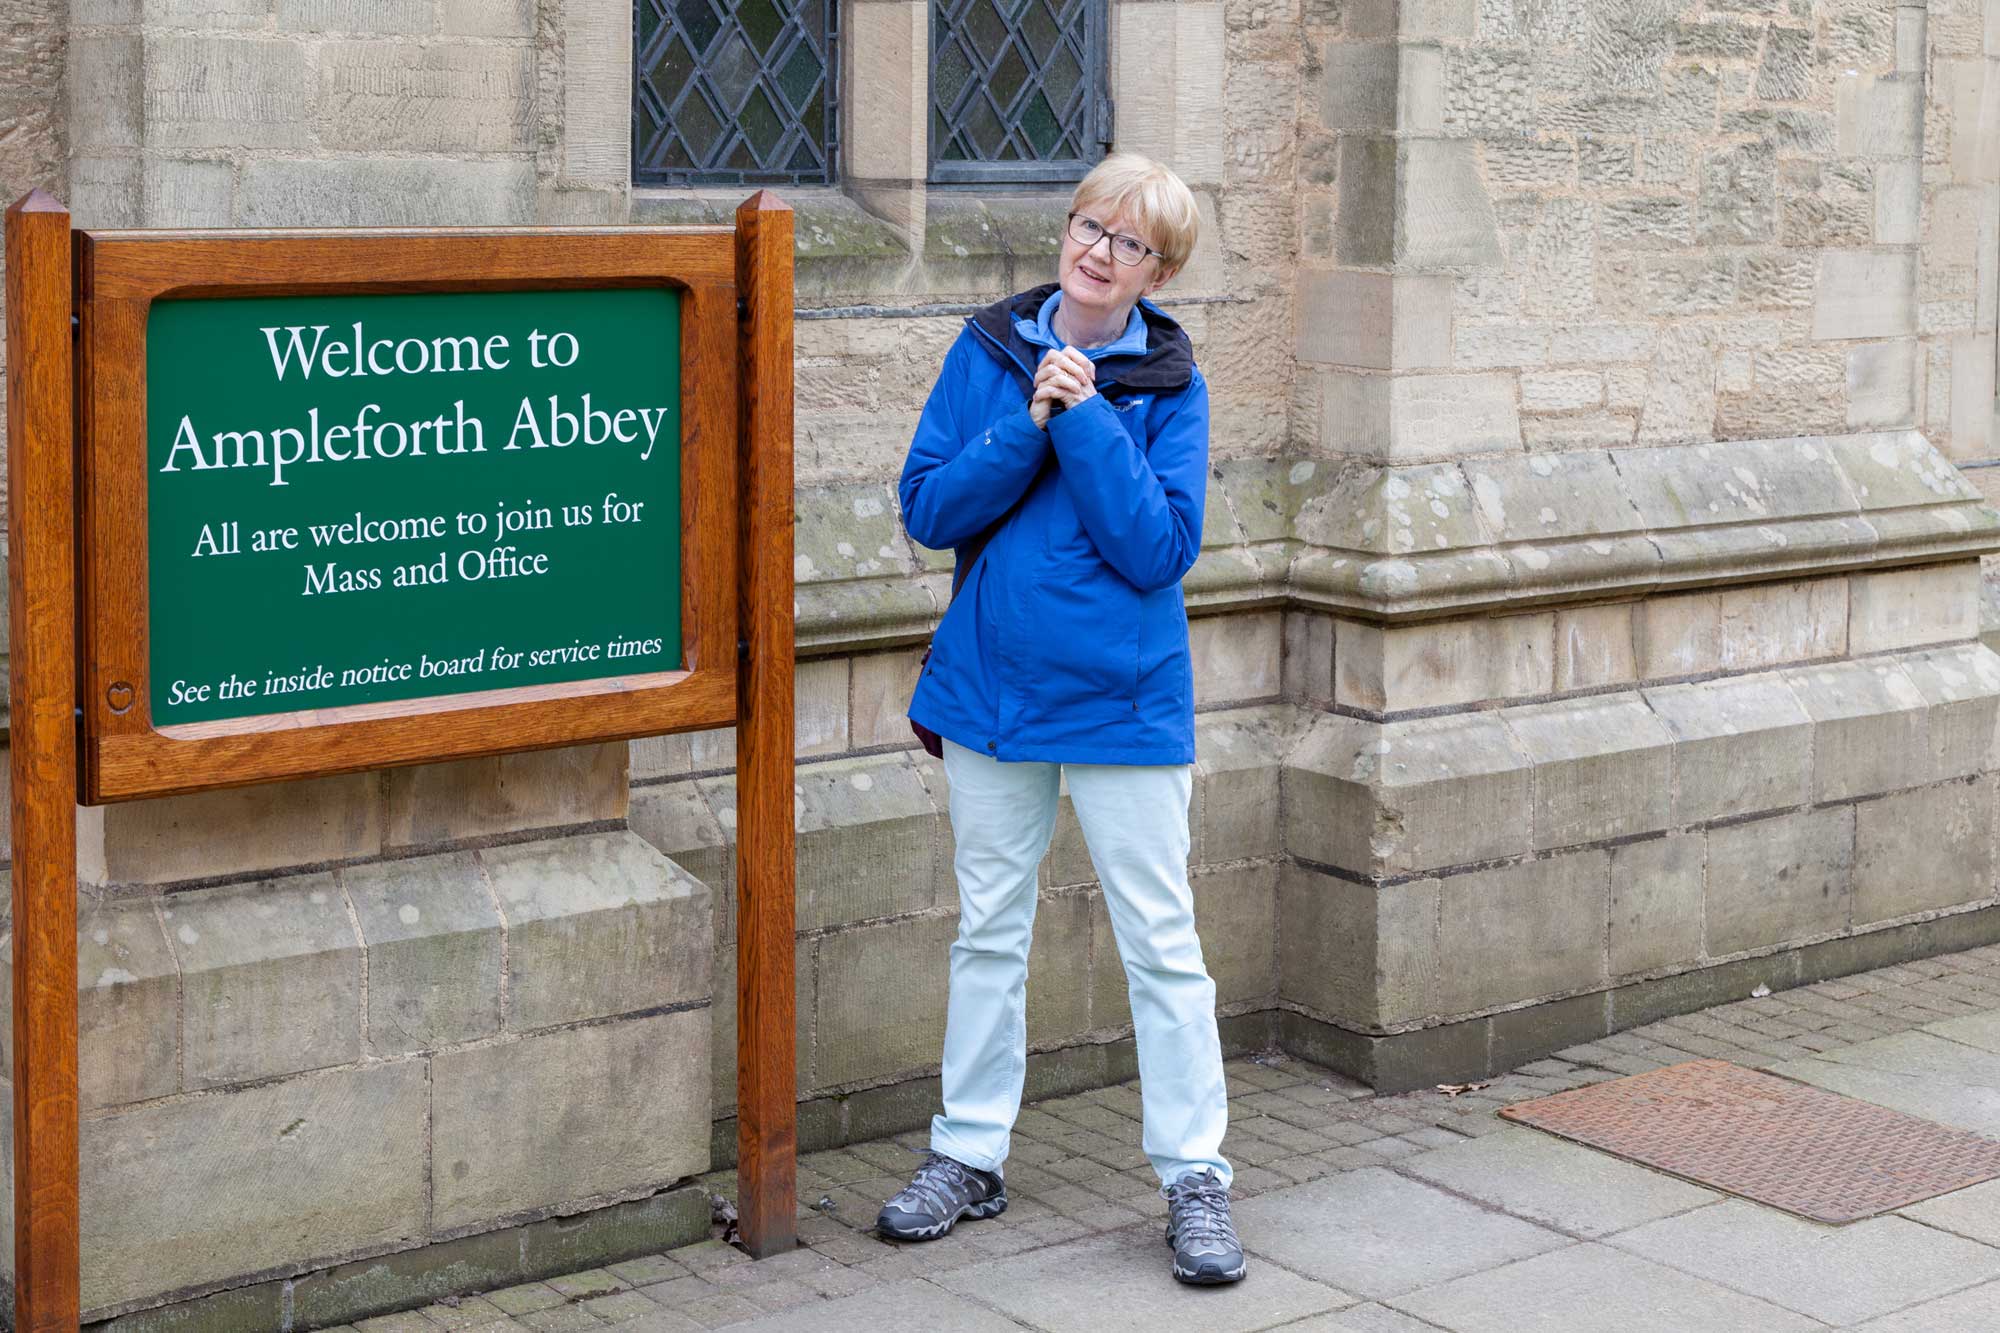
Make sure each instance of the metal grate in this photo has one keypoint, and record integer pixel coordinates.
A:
(1017, 89)
(1791, 1145)
(733, 92)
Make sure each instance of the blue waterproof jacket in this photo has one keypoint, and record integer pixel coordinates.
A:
(1066, 639)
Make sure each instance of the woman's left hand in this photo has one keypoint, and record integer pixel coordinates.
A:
(1078, 379)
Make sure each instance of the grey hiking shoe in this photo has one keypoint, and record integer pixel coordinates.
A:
(1206, 1251)
(943, 1190)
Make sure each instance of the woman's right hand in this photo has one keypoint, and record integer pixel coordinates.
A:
(1056, 381)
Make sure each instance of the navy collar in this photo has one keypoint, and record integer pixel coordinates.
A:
(1166, 364)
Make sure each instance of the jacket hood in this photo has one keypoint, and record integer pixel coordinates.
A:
(1167, 363)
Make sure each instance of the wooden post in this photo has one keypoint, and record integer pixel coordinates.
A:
(41, 581)
(766, 1086)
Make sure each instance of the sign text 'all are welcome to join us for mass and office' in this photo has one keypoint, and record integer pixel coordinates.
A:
(354, 499)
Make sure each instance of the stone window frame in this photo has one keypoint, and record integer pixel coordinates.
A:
(1166, 80)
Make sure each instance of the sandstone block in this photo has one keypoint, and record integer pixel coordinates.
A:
(433, 940)
(1237, 658)
(1238, 756)
(1445, 217)
(1865, 294)
(1593, 647)
(1435, 415)
(1899, 198)
(1882, 385)
(1363, 955)
(1742, 744)
(1358, 85)
(188, 194)
(1308, 670)
(1377, 798)
(105, 191)
(819, 705)
(445, 98)
(433, 804)
(488, 18)
(1922, 850)
(1059, 969)
(206, 13)
(597, 925)
(1870, 728)
(1740, 629)
(883, 684)
(1380, 321)
(676, 818)
(128, 1005)
(886, 131)
(107, 77)
(1775, 881)
(1961, 689)
(225, 92)
(373, 17)
(181, 1193)
(270, 979)
(896, 967)
(1907, 608)
(1879, 116)
(589, 1114)
(385, 192)
(272, 826)
(722, 1014)
(1656, 903)
(870, 841)
(1521, 931)
(1389, 669)
(1602, 768)
(1236, 912)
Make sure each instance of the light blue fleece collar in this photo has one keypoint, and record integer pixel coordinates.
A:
(1041, 332)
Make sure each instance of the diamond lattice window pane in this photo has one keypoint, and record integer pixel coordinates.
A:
(733, 92)
(1017, 82)
(697, 19)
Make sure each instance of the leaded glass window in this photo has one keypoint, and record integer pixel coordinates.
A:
(733, 92)
(1017, 89)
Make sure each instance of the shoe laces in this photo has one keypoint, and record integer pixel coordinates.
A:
(937, 1182)
(1198, 1209)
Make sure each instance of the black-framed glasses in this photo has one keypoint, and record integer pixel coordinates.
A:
(1127, 250)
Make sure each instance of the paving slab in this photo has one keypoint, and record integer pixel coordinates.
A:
(1973, 1311)
(1840, 1275)
(1374, 1232)
(1973, 1212)
(1590, 1286)
(1559, 1184)
(1918, 1073)
(914, 1303)
(1369, 1318)
(1981, 1030)
(1122, 1281)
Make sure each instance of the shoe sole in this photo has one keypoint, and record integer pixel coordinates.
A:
(1208, 1277)
(976, 1212)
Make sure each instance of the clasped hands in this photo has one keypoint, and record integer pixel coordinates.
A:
(1064, 376)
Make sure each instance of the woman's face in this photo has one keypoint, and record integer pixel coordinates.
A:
(1093, 282)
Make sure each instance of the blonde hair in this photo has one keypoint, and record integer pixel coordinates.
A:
(1157, 200)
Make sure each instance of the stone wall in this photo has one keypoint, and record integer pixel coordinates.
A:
(1586, 627)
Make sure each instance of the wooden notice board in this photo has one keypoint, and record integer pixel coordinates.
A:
(295, 503)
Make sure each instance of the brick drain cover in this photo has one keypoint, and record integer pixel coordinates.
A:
(1788, 1144)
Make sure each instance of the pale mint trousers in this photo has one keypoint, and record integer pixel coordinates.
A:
(1135, 822)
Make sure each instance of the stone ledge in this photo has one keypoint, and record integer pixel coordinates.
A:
(1422, 541)
(406, 1279)
(1390, 800)
(1496, 1043)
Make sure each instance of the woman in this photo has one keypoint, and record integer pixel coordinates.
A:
(1064, 453)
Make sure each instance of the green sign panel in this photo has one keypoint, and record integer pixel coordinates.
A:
(363, 498)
